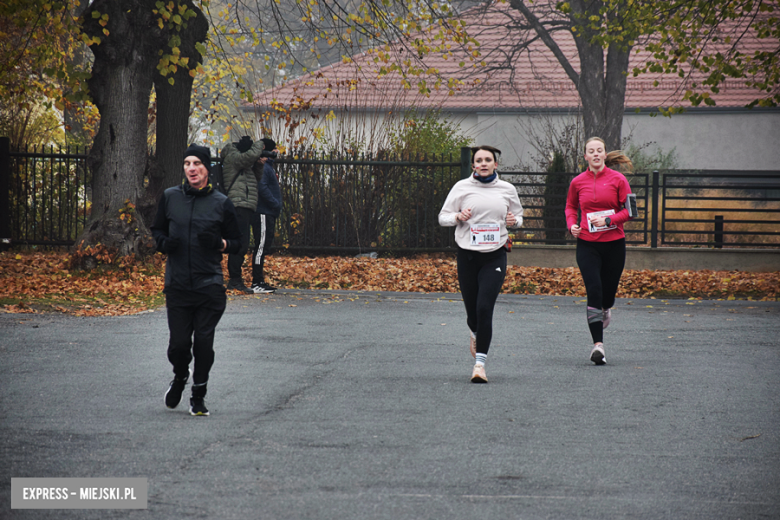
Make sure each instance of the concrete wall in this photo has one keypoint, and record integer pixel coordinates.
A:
(719, 139)
(663, 259)
(705, 139)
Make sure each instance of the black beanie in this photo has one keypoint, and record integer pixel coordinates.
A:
(269, 143)
(201, 152)
(244, 144)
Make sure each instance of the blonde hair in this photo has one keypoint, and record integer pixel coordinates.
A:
(615, 157)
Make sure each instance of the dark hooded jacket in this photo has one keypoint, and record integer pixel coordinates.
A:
(184, 213)
(269, 195)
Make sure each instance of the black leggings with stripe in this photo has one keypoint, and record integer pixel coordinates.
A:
(481, 276)
(601, 265)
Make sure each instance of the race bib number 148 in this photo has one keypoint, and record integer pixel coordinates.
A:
(485, 234)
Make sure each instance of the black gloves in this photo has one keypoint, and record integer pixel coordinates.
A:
(210, 240)
(168, 245)
(244, 144)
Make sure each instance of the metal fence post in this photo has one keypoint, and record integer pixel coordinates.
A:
(654, 221)
(719, 231)
(465, 162)
(5, 186)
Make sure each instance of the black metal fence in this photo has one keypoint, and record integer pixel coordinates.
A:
(358, 204)
(44, 195)
(361, 204)
(717, 209)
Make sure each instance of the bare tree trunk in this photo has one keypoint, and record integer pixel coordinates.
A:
(173, 104)
(616, 80)
(600, 83)
(120, 86)
(164, 169)
(118, 157)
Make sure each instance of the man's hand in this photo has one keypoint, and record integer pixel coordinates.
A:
(170, 245)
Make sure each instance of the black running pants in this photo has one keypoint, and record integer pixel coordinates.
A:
(481, 276)
(192, 321)
(263, 231)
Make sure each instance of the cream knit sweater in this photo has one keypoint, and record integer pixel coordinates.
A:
(489, 204)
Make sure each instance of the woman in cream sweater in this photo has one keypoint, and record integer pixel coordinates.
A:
(481, 208)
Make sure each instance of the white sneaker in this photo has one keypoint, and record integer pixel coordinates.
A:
(473, 344)
(597, 355)
(607, 317)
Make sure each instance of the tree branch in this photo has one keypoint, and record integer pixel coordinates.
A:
(547, 39)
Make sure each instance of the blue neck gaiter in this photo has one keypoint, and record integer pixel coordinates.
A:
(485, 180)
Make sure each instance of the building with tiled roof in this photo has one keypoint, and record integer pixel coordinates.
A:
(495, 105)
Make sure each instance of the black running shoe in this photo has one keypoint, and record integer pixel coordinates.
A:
(173, 395)
(262, 288)
(198, 406)
(236, 284)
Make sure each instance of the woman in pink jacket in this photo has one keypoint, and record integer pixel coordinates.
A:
(481, 208)
(600, 194)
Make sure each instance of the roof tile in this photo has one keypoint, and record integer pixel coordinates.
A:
(537, 82)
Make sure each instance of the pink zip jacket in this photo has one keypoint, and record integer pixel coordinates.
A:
(598, 192)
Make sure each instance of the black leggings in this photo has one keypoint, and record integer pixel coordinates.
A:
(481, 276)
(601, 265)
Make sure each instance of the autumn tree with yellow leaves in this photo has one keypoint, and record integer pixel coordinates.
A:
(222, 52)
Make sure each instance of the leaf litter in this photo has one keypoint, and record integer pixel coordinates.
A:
(42, 282)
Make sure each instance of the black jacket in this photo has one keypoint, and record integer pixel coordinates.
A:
(187, 227)
(269, 196)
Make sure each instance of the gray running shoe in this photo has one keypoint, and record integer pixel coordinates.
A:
(597, 355)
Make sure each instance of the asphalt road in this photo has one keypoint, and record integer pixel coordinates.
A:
(344, 406)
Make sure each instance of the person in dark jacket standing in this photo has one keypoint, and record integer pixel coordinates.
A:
(195, 224)
(241, 187)
(269, 207)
